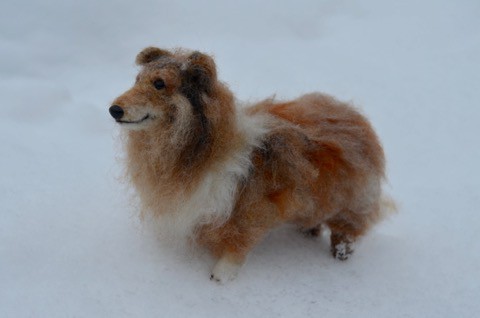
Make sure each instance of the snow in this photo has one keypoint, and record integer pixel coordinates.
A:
(71, 244)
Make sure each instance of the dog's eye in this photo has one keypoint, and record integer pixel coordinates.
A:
(159, 84)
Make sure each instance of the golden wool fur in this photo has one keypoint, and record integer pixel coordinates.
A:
(223, 176)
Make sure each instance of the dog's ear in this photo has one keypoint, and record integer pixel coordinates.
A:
(200, 72)
(150, 54)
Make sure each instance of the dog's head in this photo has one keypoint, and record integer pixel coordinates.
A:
(170, 87)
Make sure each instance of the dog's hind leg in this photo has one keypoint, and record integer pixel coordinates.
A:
(345, 229)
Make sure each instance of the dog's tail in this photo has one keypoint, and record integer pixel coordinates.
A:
(386, 207)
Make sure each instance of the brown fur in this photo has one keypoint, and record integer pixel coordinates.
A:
(320, 161)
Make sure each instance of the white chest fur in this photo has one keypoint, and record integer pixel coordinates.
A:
(213, 200)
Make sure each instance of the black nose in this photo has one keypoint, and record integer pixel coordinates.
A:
(116, 111)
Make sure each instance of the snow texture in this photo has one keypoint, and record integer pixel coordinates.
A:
(71, 244)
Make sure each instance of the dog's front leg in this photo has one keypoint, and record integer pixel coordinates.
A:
(227, 267)
(233, 250)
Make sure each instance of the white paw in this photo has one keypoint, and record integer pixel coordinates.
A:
(224, 271)
(342, 251)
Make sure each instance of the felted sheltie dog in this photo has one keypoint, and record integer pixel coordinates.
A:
(223, 176)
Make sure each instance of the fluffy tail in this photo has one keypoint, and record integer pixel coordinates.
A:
(387, 207)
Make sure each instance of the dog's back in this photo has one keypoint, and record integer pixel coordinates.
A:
(332, 146)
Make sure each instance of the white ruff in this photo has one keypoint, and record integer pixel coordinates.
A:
(213, 200)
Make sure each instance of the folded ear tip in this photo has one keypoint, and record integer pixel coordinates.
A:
(150, 54)
(203, 61)
(198, 56)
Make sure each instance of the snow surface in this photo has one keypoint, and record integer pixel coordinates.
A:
(71, 244)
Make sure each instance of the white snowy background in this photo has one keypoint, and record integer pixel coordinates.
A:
(71, 244)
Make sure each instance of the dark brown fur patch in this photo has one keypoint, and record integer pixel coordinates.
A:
(196, 81)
